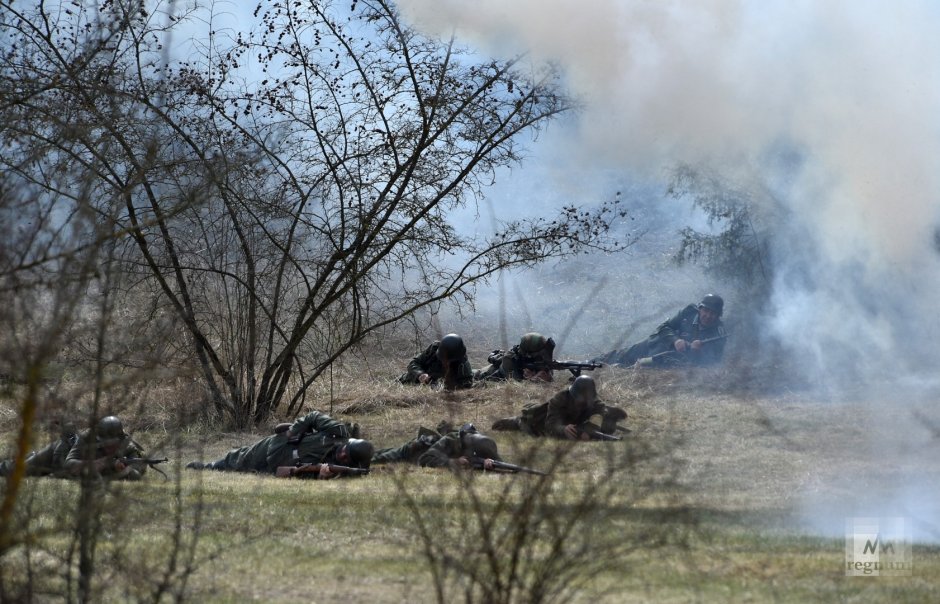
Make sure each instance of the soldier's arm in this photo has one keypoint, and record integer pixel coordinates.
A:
(420, 363)
(316, 421)
(75, 460)
(465, 374)
(555, 418)
(441, 453)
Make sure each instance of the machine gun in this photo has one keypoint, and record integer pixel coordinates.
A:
(478, 463)
(313, 470)
(575, 367)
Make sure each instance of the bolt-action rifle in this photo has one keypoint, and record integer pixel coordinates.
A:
(598, 435)
(689, 348)
(478, 463)
(313, 469)
(139, 461)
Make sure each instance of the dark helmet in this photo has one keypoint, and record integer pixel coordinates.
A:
(360, 452)
(451, 348)
(479, 445)
(583, 390)
(467, 428)
(714, 303)
(110, 428)
(532, 342)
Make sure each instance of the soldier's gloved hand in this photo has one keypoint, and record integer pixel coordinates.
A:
(104, 463)
(696, 345)
(463, 462)
(325, 472)
(572, 432)
(680, 345)
(424, 378)
(487, 464)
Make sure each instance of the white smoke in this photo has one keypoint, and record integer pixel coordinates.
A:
(848, 91)
(852, 88)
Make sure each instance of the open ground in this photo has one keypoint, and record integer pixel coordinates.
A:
(750, 488)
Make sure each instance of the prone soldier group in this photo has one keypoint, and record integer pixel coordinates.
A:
(319, 446)
(694, 336)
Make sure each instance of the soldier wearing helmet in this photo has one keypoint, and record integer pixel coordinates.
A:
(315, 438)
(50, 460)
(100, 451)
(574, 413)
(522, 361)
(458, 449)
(694, 336)
(443, 361)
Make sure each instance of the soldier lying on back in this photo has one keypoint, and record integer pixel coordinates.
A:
(313, 439)
(574, 413)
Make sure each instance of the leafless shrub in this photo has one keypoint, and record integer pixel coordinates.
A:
(540, 539)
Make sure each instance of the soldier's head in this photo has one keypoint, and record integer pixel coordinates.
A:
(356, 453)
(535, 344)
(583, 390)
(110, 431)
(451, 349)
(110, 428)
(710, 309)
(478, 445)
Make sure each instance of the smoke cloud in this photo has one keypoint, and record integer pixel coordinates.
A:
(835, 104)
(851, 90)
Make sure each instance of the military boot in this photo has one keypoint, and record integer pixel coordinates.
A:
(507, 424)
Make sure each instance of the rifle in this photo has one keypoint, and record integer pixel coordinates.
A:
(131, 461)
(478, 463)
(598, 435)
(688, 349)
(575, 367)
(312, 469)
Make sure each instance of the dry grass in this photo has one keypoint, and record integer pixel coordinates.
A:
(760, 477)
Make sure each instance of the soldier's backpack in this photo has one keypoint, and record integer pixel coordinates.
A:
(532, 420)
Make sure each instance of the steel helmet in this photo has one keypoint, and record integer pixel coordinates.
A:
(479, 445)
(110, 428)
(583, 389)
(360, 452)
(451, 348)
(714, 303)
(532, 342)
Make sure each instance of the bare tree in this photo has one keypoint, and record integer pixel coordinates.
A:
(329, 175)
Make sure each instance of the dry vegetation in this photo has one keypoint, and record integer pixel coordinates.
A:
(727, 498)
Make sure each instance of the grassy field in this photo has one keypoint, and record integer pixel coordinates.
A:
(715, 495)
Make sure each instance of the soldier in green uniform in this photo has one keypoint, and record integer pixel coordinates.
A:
(446, 447)
(443, 361)
(694, 336)
(315, 438)
(574, 413)
(102, 454)
(48, 461)
(533, 348)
